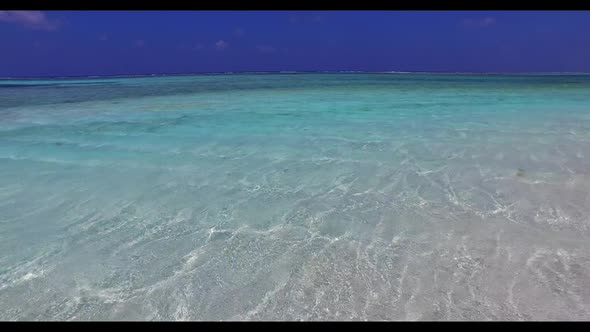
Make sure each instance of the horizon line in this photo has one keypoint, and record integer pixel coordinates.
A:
(301, 72)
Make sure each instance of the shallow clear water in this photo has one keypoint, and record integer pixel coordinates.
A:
(295, 197)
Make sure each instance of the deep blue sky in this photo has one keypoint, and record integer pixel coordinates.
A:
(56, 43)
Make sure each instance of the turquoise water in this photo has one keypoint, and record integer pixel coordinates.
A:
(296, 197)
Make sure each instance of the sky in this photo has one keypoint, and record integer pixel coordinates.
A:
(79, 43)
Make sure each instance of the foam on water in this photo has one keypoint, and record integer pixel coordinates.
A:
(295, 197)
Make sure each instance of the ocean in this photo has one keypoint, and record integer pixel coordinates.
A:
(326, 196)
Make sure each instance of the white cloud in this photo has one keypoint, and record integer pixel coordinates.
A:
(481, 22)
(221, 45)
(33, 19)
